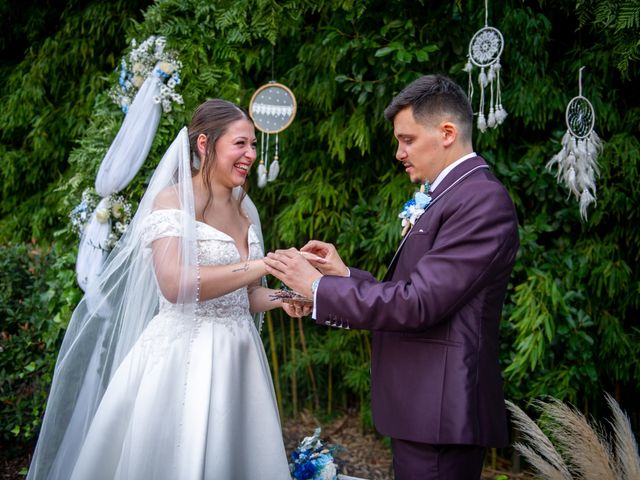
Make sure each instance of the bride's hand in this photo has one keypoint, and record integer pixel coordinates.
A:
(325, 258)
(297, 310)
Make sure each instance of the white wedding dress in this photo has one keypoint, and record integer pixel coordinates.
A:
(230, 428)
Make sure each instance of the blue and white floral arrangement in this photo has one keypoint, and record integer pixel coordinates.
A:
(81, 213)
(313, 460)
(149, 58)
(414, 208)
(114, 210)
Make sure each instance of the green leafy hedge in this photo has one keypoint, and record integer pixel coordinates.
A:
(570, 318)
(37, 292)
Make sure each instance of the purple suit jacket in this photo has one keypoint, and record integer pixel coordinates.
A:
(435, 376)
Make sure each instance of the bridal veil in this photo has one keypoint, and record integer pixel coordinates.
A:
(109, 321)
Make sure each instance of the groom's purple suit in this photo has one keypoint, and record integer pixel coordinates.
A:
(435, 375)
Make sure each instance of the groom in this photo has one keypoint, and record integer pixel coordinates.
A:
(436, 382)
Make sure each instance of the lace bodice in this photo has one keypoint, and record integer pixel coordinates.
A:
(214, 248)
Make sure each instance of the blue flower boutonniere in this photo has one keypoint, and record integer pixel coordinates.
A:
(414, 208)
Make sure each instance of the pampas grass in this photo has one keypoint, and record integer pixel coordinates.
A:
(626, 460)
(537, 448)
(565, 446)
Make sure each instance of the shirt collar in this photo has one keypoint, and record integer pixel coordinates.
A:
(446, 171)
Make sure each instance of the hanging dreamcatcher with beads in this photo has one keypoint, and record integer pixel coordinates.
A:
(272, 109)
(577, 160)
(485, 49)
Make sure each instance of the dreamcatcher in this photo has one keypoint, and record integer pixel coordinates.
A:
(485, 49)
(577, 160)
(272, 109)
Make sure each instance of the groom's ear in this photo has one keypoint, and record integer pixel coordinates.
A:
(449, 132)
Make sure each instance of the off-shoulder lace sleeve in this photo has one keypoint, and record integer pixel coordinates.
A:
(159, 224)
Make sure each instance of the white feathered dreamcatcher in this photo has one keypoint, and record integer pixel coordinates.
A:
(577, 160)
(272, 109)
(485, 49)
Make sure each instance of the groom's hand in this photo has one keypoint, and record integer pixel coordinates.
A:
(293, 269)
(325, 258)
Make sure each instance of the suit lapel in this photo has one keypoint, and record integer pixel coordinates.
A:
(457, 174)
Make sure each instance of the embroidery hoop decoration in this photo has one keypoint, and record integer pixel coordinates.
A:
(486, 46)
(272, 109)
(485, 49)
(577, 160)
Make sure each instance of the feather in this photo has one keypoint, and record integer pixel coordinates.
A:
(586, 199)
(274, 170)
(491, 76)
(262, 175)
(482, 79)
(577, 167)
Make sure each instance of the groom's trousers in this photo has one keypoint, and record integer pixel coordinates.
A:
(422, 461)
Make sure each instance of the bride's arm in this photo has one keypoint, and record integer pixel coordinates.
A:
(260, 300)
(215, 280)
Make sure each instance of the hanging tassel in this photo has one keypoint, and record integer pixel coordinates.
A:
(264, 155)
(492, 74)
(491, 121)
(482, 78)
(482, 122)
(274, 169)
(469, 69)
(500, 112)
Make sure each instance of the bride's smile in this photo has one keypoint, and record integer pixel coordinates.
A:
(235, 153)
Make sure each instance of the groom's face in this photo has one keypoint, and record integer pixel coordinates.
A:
(419, 146)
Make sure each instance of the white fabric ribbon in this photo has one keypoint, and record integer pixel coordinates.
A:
(120, 165)
(131, 146)
(91, 253)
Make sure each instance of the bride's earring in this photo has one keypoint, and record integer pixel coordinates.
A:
(195, 161)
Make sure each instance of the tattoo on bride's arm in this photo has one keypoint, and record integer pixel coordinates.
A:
(243, 268)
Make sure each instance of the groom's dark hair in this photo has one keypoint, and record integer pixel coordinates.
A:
(433, 96)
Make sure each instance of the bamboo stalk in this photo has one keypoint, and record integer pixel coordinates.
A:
(284, 342)
(274, 360)
(329, 390)
(312, 378)
(367, 342)
(294, 382)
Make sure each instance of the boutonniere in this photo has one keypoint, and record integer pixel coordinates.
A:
(414, 208)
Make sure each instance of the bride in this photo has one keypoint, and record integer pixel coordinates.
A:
(162, 373)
